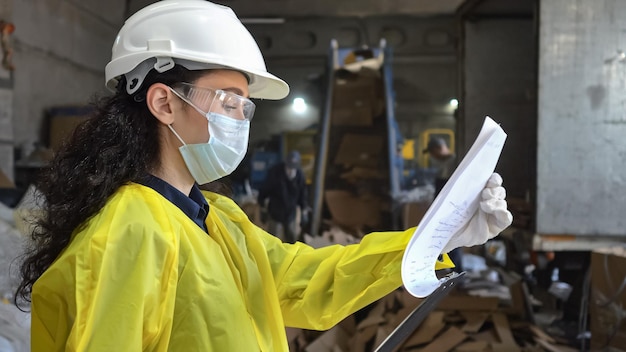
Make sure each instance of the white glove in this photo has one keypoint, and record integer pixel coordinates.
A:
(491, 217)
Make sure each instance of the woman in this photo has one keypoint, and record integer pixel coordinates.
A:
(132, 256)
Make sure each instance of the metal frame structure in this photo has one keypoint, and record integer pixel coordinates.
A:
(324, 133)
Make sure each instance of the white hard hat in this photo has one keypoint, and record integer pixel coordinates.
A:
(196, 34)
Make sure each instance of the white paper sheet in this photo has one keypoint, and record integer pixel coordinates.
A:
(451, 210)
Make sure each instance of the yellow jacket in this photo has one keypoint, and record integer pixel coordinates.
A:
(141, 276)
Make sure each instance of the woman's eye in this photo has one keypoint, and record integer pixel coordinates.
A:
(229, 108)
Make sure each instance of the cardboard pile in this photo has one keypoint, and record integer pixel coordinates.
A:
(460, 323)
(412, 213)
(5, 181)
(492, 311)
(607, 302)
(358, 98)
(356, 174)
(62, 121)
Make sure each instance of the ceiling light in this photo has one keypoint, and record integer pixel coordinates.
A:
(299, 105)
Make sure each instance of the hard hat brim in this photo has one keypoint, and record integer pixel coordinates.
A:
(265, 85)
(262, 85)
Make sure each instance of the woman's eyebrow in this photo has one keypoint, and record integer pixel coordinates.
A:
(235, 90)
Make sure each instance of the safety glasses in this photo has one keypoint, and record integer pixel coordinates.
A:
(207, 100)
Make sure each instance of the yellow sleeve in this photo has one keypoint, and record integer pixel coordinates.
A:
(318, 288)
(124, 287)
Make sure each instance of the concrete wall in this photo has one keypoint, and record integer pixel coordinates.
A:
(581, 159)
(6, 104)
(61, 48)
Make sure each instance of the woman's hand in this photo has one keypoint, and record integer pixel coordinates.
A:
(491, 217)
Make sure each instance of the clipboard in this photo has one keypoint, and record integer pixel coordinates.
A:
(415, 318)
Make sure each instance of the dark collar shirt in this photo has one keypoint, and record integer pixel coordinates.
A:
(194, 206)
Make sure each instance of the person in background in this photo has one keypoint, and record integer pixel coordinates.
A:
(441, 159)
(283, 193)
(130, 254)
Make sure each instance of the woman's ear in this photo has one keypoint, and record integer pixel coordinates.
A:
(161, 102)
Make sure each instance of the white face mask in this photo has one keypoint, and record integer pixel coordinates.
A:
(227, 146)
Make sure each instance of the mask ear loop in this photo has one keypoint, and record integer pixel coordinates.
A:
(170, 125)
(176, 134)
(192, 105)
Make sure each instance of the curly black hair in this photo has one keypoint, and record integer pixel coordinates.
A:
(118, 144)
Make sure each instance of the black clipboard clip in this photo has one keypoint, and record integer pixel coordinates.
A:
(415, 318)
